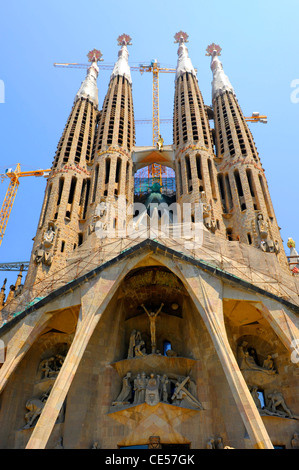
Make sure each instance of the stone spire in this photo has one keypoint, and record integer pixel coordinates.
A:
(220, 82)
(121, 66)
(196, 174)
(184, 63)
(89, 88)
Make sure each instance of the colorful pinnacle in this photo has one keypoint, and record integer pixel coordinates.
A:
(124, 40)
(181, 36)
(213, 47)
(94, 55)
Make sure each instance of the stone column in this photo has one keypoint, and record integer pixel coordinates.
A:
(206, 292)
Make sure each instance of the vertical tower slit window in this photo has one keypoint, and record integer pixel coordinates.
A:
(188, 173)
(71, 197)
(180, 177)
(107, 170)
(228, 192)
(240, 190)
(222, 192)
(199, 172)
(212, 182)
(118, 172)
(252, 189)
(86, 197)
(60, 189)
(46, 205)
(95, 185)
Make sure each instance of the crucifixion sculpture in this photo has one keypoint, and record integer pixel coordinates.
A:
(152, 318)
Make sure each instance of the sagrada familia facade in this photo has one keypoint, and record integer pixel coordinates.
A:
(153, 320)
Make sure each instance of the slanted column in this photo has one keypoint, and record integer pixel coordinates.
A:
(206, 294)
(94, 301)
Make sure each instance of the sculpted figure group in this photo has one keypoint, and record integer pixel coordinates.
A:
(247, 360)
(51, 366)
(275, 406)
(152, 389)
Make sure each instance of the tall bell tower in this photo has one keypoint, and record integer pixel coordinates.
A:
(112, 181)
(246, 203)
(196, 174)
(60, 225)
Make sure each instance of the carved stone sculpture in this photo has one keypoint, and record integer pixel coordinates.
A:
(153, 389)
(140, 349)
(152, 318)
(219, 443)
(35, 407)
(208, 221)
(165, 389)
(182, 397)
(266, 244)
(247, 362)
(152, 395)
(256, 398)
(59, 444)
(49, 236)
(100, 221)
(211, 444)
(216, 444)
(126, 392)
(136, 345)
(295, 441)
(268, 363)
(276, 403)
(51, 366)
(43, 253)
(142, 387)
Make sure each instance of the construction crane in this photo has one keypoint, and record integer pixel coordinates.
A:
(14, 266)
(11, 192)
(255, 117)
(155, 170)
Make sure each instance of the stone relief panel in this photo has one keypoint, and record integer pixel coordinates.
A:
(274, 405)
(154, 388)
(44, 252)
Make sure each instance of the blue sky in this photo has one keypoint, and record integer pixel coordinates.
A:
(259, 41)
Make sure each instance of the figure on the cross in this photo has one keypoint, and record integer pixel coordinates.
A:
(152, 318)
